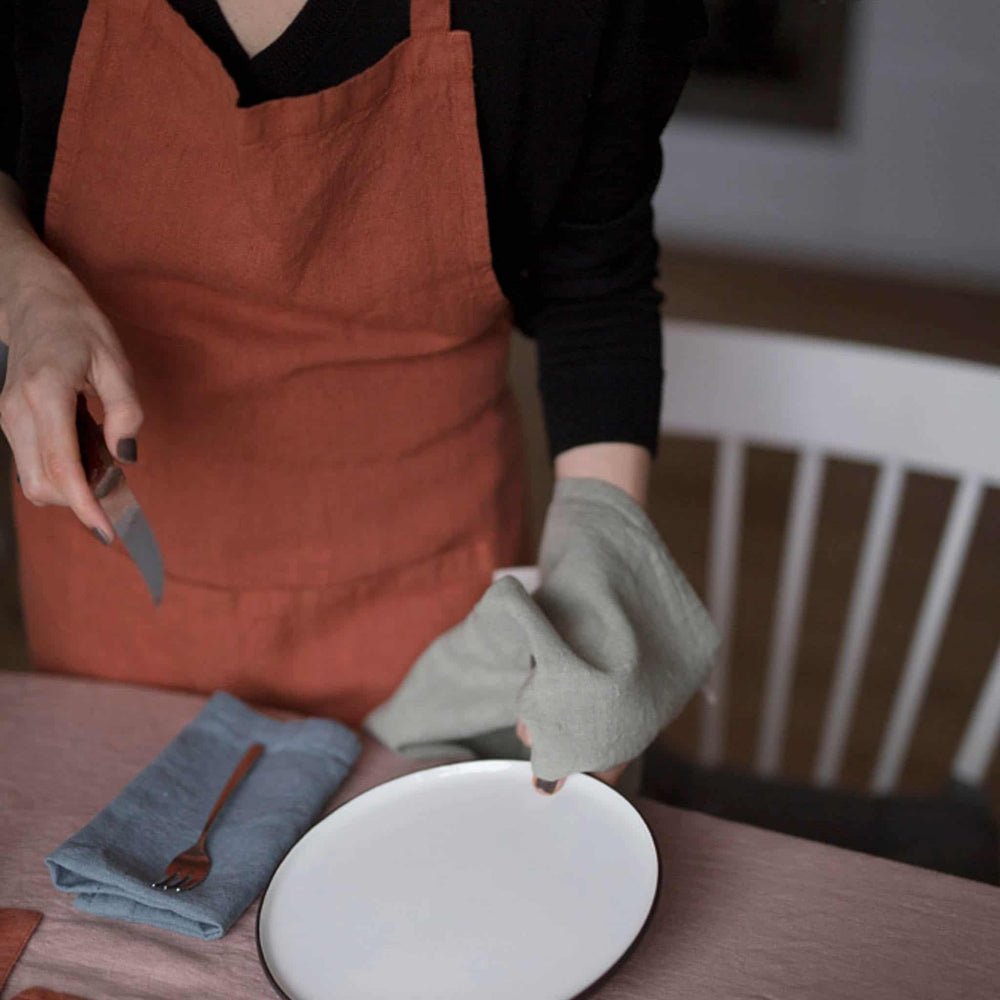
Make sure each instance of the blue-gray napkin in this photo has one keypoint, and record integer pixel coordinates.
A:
(111, 862)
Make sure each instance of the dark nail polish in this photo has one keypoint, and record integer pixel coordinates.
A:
(548, 787)
(100, 536)
(128, 451)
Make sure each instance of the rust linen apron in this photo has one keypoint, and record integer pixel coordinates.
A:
(330, 457)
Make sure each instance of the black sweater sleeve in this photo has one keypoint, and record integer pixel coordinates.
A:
(590, 299)
(10, 103)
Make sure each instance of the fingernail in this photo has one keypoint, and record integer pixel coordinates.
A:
(128, 450)
(100, 536)
(548, 787)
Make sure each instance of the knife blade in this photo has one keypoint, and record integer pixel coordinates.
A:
(108, 483)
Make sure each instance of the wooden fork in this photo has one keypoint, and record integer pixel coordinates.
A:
(191, 867)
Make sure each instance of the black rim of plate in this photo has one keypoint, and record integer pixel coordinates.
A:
(587, 991)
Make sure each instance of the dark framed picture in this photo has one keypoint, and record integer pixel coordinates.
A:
(775, 62)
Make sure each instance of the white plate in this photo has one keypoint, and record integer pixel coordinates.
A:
(460, 883)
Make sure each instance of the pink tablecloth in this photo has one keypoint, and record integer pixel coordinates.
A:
(743, 913)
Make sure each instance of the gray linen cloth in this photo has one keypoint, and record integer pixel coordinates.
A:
(605, 653)
(111, 862)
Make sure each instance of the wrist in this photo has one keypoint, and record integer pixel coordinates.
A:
(27, 266)
(29, 273)
(621, 464)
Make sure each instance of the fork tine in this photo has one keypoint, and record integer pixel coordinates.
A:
(169, 881)
(191, 882)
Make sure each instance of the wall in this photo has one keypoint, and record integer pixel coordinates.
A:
(911, 184)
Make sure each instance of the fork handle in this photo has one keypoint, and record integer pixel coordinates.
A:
(248, 761)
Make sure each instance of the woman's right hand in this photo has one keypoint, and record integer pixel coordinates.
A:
(61, 344)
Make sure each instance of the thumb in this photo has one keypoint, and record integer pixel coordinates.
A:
(112, 379)
(541, 784)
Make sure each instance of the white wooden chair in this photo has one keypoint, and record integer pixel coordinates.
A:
(822, 399)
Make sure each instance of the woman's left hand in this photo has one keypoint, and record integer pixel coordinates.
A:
(609, 777)
(627, 467)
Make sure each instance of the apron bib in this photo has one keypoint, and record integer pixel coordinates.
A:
(331, 457)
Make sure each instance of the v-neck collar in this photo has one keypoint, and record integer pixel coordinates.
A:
(278, 66)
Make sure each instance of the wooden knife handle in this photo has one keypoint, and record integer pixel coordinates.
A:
(98, 464)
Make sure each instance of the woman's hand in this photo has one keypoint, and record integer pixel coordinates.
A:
(627, 467)
(60, 344)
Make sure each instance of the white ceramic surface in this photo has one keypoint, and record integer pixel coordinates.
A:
(461, 882)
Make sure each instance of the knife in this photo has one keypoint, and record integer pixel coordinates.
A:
(107, 481)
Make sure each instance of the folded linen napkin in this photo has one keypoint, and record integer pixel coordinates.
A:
(605, 653)
(111, 862)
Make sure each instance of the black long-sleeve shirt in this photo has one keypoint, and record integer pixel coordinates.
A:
(571, 97)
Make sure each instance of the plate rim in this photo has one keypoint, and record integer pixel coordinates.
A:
(587, 991)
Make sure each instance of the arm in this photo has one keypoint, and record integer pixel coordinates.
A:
(592, 305)
(10, 99)
(13, 219)
(595, 307)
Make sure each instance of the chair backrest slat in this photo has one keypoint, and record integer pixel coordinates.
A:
(934, 611)
(793, 584)
(847, 400)
(863, 609)
(723, 561)
(980, 740)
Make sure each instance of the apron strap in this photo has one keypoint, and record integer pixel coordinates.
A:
(429, 17)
